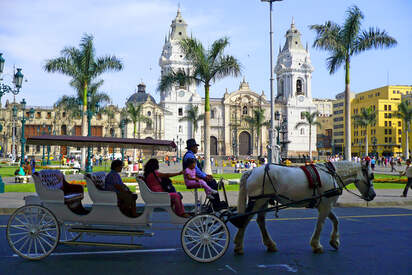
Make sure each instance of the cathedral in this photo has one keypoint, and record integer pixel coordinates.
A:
(231, 134)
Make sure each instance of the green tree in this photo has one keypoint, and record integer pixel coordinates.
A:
(209, 65)
(366, 118)
(405, 113)
(194, 118)
(83, 67)
(310, 120)
(343, 42)
(136, 116)
(257, 122)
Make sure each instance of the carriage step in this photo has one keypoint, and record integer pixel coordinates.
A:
(120, 245)
(140, 233)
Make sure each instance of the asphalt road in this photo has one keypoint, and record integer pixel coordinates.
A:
(373, 241)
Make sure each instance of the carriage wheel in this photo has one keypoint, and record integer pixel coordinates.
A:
(205, 238)
(33, 232)
(66, 235)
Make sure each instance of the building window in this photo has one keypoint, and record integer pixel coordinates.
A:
(389, 115)
(400, 140)
(99, 116)
(386, 139)
(386, 131)
(48, 114)
(180, 129)
(390, 123)
(302, 131)
(386, 124)
(390, 139)
(64, 114)
(389, 107)
(299, 87)
(390, 131)
(37, 148)
(149, 113)
(385, 107)
(399, 123)
(180, 111)
(244, 110)
(386, 115)
(212, 113)
(399, 132)
(38, 115)
(302, 115)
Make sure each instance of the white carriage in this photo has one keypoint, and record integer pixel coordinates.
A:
(56, 214)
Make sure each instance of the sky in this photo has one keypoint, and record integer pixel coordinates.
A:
(32, 31)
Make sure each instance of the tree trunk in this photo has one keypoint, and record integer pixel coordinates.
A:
(206, 146)
(407, 140)
(348, 153)
(310, 142)
(134, 136)
(366, 142)
(84, 126)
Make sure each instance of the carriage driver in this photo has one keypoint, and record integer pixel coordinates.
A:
(192, 148)
(113, 182)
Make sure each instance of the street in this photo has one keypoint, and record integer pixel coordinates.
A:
(373, 241)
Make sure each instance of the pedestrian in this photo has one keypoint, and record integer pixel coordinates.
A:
(373, 162)
(392, 163)
(408, 173)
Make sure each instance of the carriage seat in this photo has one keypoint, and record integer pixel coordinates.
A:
(53, 180)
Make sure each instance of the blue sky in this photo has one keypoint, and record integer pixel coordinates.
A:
(33, 31)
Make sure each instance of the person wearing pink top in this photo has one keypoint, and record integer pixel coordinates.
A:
(192, 181)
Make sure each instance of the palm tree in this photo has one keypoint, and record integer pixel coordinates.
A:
(82, 66)
(258, 122)
(208, 65)
(71, 103)
(194, 117)
(366, 118)
(135, 114)
(310, 121)
(343, 42)
(405, 113)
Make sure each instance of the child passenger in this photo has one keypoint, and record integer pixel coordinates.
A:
(192, 181)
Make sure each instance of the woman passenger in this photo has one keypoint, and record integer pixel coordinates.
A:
(153, 180)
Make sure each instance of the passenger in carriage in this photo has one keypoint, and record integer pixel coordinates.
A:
(126, 198)
(192, 181)
(160, 182)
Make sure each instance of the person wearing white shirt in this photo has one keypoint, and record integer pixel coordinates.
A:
(408, 173)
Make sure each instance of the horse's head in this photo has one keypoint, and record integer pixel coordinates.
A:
(364, 182)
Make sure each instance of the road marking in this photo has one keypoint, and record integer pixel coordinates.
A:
(231, 269)
(282, 266)
(110, 252)
(341, 217)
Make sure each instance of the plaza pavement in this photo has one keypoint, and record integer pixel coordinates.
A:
(384, 197)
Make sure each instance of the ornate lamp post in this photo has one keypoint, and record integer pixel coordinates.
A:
(23, 123)
(277, 117)
(122, 126)
(17, 81)
(113, 147)
(43, 132)
(271, 147)
(48, 146)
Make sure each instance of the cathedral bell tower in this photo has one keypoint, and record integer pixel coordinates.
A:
(179, 98)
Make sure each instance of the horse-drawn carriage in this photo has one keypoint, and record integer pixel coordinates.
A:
(56, 214)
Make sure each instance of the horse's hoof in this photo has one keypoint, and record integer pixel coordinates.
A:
(318, 250)
(334, 244)
(272, 249)
(239, 252)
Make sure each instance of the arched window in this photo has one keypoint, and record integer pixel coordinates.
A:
(149, 113)
(111, 132)
(244, 110)
(63, 130)
(302, 131)
(299, 90)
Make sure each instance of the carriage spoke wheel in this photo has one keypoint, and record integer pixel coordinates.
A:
(205, 238)
(66, 235)
(33, 232)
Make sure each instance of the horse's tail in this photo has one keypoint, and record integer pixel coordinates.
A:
(241, 203)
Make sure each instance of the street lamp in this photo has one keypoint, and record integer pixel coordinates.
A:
(23, 122)
(48, 146)
(43, 132)
(272, 96)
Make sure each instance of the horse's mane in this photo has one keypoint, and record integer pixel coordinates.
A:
(346, 168)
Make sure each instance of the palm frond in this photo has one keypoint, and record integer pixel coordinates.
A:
(176, 78)
(217, 49)
(193, 50)
(351, 27)
(327, 36)
(225, 66)
(108, 63)
(374, 38)
(334, 61)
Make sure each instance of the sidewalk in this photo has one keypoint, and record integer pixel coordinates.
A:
(384, 197)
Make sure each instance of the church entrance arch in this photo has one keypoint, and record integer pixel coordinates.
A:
(213, 146)
(244, 143)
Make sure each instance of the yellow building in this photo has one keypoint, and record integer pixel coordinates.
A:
(385, 137)
(338, 135)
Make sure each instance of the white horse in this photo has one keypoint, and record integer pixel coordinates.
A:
(292, 183)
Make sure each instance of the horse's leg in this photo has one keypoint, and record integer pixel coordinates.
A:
(240, 236)
(324, 210)
(267, 240)
(334, 238)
